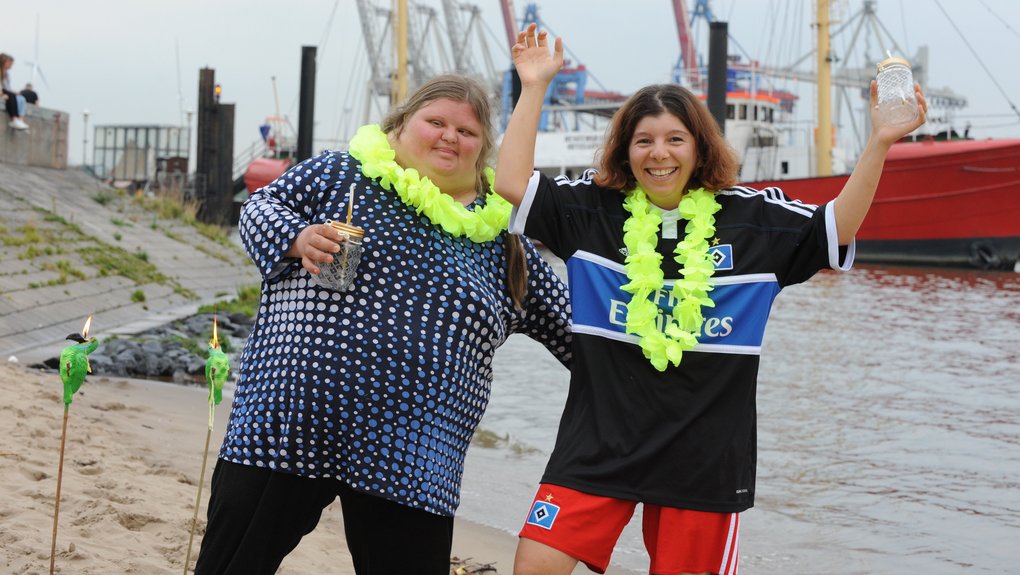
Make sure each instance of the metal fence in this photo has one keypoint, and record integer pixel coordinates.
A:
(138, 154)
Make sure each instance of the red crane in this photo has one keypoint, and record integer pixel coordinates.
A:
(690, 74)
(509, 22)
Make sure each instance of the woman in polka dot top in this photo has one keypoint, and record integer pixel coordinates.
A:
(372, 394)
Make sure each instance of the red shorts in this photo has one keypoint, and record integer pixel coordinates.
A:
(587, 526)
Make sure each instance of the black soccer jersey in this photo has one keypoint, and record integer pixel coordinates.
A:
(685, 437)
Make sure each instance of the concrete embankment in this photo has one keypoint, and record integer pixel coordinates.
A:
(73, 246)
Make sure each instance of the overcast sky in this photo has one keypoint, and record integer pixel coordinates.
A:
(137, 62)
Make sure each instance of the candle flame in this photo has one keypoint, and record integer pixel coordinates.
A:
(85, 328)
(215, 334)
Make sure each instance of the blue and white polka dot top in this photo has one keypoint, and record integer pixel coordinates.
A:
(380, 386)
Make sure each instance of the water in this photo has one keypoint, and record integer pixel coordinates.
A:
(889, 429)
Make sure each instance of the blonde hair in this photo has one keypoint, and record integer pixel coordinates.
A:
(458, 89)
(470, 91)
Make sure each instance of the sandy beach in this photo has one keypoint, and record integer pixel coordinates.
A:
(132, 459)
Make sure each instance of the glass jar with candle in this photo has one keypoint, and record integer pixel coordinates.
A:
(896, 102)
(340, 273)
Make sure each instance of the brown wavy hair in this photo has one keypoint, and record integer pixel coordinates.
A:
(4, 58)
(718, 166)
(473, 93)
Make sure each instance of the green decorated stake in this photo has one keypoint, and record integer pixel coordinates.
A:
(74, 366)
(217, 368)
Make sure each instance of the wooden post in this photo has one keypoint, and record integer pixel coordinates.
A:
(214, 156)
(717, 69)
(306, 110)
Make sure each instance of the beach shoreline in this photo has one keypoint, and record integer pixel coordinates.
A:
(133, 455)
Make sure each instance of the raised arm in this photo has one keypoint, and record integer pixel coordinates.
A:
(854, 200)
(536, 68)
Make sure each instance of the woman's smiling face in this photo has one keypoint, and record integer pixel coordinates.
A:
(663, 155)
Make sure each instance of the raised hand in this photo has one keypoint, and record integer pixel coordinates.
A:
(531, 56)
(890, 133)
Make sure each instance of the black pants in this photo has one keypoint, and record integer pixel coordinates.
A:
(11, 104)
(256, 517)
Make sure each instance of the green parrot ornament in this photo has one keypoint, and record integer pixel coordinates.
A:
(74, 364)
(217, 369)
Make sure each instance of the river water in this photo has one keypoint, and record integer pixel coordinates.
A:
(888, 419)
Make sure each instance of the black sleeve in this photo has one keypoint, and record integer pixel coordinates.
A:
(556, 212)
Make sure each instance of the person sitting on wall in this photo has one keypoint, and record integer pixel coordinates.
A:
(30, 95)
(13, 102)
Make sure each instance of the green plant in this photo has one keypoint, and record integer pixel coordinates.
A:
(215, 233)
(137, 296)
(246, 302)
(29, 234)
(34, 251)
(65, 271)
(104, 196)
(112, 260)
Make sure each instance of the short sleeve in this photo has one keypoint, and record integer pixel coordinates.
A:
(557, 212)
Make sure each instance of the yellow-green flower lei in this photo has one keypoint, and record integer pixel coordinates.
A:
(641, 236)
(371, 147)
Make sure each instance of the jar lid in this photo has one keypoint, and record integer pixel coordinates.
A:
(891, 61)
(346, 228)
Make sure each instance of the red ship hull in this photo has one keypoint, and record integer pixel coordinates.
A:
(954, 203)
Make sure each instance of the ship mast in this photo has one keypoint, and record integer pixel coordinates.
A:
(824, 134)
(400, 34)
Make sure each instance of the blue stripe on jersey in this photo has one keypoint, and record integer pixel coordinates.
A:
(735, 325)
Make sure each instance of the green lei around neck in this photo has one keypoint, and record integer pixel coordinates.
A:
(641, 236)
(371, 147)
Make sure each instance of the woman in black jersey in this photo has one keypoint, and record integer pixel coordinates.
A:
(673, 270)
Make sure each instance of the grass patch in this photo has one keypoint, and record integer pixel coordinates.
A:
(192, 345)
(65, 268)
(199, 347)
(137, 296)
(104, 196)
(171, 206)
(121, 223)
(34, 251)
(65, 273)
(214, 232)
(246, 302)
(55, 218)
(25, 234)
(185, 292)
(112, 260)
